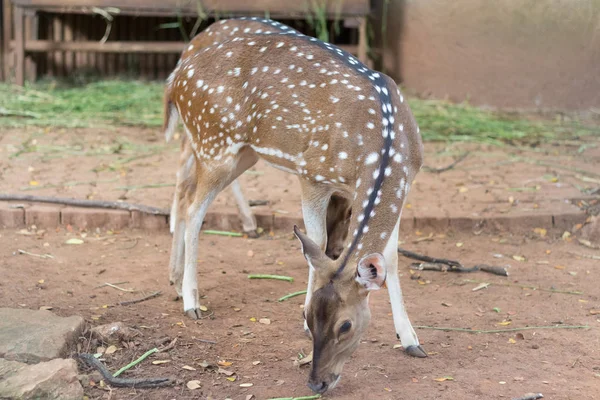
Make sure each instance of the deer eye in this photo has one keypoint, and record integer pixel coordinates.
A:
(345, 327)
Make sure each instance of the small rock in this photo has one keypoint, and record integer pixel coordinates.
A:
(114, 333)
(55, 379)
(265, 321)
(32, 336)
(535, 346)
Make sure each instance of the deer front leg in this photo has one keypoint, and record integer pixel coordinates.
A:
(246, 215)
(315, 200)
(404, 329)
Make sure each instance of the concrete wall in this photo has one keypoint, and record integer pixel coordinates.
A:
(531, 54)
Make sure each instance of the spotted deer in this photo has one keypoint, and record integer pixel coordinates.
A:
(308, 108)
(339, 208)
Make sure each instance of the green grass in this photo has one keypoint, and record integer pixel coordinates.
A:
(125, 102)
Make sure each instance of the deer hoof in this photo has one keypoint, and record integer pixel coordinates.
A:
(194, 313)
(252, 234)
(416, 351)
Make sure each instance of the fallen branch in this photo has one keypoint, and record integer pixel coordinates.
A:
(277, 277)
(35, 255)
(168, 347)
(136, 362)
(526, 328)
(289, 296)
(90, 360)
(118, 205)
(444, 265)
(530, 396)
(525, 287)
(150, 296)
(447, 168)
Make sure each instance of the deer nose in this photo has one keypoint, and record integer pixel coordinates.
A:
(318, 387)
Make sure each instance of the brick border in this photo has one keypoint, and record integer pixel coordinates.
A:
(52, 216)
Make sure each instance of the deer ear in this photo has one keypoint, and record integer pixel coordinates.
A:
(310, 249)
(371, 271)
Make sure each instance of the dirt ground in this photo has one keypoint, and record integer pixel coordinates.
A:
(136, 165)
(560, 363)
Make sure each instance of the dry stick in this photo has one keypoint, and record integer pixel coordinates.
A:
(590, 256)
(35, 255)
(222, 233)
(444, 265)
(85, 203)
(530, 396)
(168, 347)
(525, 287)
(526, 328)
(90, 360)
(106, 284)
(150, 296)
(119, 288)
(449, 167)
(206, 341)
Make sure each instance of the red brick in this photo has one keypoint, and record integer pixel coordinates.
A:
(149, 222)
(11, 217)
(88, 218)
(45, 216)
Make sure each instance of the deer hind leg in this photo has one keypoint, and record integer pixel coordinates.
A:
(184, 189)
(315, 200)
(246, 215)
(209, 185)
(404, 329)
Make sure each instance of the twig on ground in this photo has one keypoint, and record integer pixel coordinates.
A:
(85, 203)
(289, 296)
(444, 265)
(449, 167)
(590, 256)
(254, 203)
(222, 233)
(149, 186)
(525, 287)
(35, 255)
(136, 362)
(266, 276)
(119, 288)
(206, 341)
(150, 296)
(525, 328)
(168, 347)
(530, 396)
(106, 284)
(112, 380)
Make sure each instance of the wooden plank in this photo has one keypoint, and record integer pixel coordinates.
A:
(69, 55)
(19, 41)
(121, 47)
(188, 7)
(57, 31)
(31, 33)
(7, 35)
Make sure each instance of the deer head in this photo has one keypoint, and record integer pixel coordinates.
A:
(338, 313)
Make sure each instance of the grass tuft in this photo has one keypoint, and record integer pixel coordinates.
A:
(127, 102)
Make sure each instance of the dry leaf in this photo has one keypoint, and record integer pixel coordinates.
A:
(188, 368)
(459, 244)
(111, 349)
(253, 319)
(397, 346)
(74, 241)
(237, 309)
(255, 362)
(192, 385)
(231, 378)
(41, 281)
(250, 253)
(158, 362)
(566, 235)
(46, 308)
(463, 189)
(224, 363)
(225, 372)
(504, 323)
(387, 389)
(265, 321)
(203, 308)
(415, 380)
(518, 258)
(594, 312)
(559, 266)
(512, 341)
(447, 304)
(540, 231)
(246, 385)
(33, 183)
(444, 379)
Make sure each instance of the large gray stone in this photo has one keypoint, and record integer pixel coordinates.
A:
(32, 336)
(56, 379)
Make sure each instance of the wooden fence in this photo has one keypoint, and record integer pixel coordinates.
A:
(67, 27)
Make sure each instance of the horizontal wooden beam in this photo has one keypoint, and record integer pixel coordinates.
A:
(43, 46)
